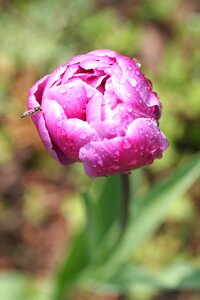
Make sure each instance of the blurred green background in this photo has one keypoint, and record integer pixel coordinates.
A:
(40, 205)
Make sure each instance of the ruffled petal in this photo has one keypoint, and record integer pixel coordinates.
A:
(71, 96)
(94, 108)
(54, 78)
(142, 144)
(105, 52)
(68, 134)
(134, 76)
(35, 96)
(69, 72)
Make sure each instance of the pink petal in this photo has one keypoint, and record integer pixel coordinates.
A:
(142, 144)
(71, 96)
(69, 72)
(36, 92)
(94, 108)
(54, 77)
(35, 95)
(80, 58)
(69, 134)
(105, 52)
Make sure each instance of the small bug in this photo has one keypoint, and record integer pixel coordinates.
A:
(31, 111)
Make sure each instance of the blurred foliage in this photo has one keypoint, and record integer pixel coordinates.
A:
(40, 204)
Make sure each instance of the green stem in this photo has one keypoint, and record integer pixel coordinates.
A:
(124, 213)
(125, 201)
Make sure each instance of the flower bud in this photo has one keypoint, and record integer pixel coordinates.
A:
(99, 109)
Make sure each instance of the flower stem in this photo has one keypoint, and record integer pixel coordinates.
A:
(125, 201)
(124, 213)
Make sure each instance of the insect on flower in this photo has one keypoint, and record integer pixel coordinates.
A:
(31, 111)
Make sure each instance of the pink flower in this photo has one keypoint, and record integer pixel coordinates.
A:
(99, 109)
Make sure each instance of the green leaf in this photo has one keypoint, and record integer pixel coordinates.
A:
(101, 213)
(131, 278)
(76, 260)
(152, 209)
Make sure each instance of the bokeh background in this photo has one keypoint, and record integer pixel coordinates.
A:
(40, 206)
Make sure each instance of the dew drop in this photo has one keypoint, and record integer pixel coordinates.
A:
(133, 81)
(63, 89)
(94, 138)
(140, 131)
(78, 95)
(112, 131)
(138, 64)
(70, 85)
(130, 68)
(121, 133)
(129, 109)
(108, 100)
(149, 122)
(137, 72)
(126, 144)
(116, 71)
(90, 93)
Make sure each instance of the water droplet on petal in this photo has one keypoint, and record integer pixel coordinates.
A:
(138, 64)
(94, 138)
(129, 109)
(126, 144)
(108, 100)
(140, 131)
(90, 93)
(137, 72)
(130, 68)
(133, 81)
(70, 85)
(78, 95)
(63, 89)
(121, 133)
(149, 122)
(116, 71)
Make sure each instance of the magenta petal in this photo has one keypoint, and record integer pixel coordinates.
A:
(36, 92)
(69, 134)
(142, 144)
(80, 58)
(35, 95)
(69, 72)
(72, 97)
(94, 108)
(105, 52)
(54, 77)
